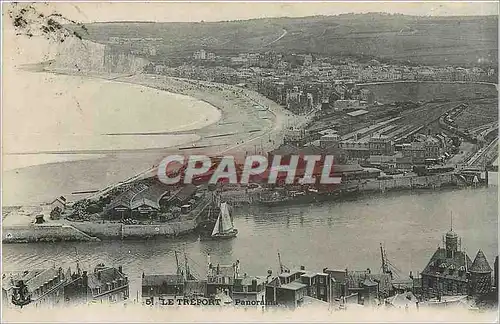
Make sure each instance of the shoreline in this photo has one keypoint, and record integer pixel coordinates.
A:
(174, 86)
(239, 117)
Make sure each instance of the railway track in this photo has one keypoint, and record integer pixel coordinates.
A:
(484, 155)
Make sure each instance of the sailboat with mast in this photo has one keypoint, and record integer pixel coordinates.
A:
(224, 226)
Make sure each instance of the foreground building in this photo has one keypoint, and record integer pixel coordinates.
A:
(291, 288)
(104, 284)
(451, 272)
(54, 287)
(33, 288)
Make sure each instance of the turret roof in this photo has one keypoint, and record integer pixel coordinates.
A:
(480, 264)
(451, 234)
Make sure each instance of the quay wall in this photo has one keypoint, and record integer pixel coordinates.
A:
(115, 230)
(109, 230)
(95, 231)
(239, 197)
(101, 230)
(402, 183)
(43, 233)
(168, 230)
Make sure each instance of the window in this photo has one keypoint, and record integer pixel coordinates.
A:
(322, 291)
(321, 280)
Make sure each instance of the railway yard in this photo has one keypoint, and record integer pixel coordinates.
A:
(470, 116)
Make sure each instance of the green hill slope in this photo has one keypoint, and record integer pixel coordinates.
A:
(426, 40)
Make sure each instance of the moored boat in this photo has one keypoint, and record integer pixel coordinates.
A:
(223, 227)
(306, 197)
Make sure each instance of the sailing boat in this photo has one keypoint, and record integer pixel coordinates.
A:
(224, 227)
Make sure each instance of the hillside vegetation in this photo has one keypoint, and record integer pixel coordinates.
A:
(422, 40)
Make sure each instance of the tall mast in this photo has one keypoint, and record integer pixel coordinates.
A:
(221, 217)
(279, 262)
(186, 266)
(382, 256)
(283, 268)
(451, 221)
(177, 263)
(465, 261)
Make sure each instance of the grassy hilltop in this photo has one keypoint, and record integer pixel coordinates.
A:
(422, 40)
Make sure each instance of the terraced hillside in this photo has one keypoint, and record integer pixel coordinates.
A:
(479, 116)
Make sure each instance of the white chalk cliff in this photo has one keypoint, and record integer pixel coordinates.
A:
(86, 56)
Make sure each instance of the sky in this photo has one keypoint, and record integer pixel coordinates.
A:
(86, 12)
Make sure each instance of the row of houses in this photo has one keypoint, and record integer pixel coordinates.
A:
(450, 277)
(301, 96)
(290, 288)
(57, 287)
(376, 149)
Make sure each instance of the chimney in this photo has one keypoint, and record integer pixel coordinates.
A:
(302, 267)
(120, 269)
(99, 275)
(85, 279)
(254, 285)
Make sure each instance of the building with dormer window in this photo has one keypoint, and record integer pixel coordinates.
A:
(451, 272)
(104, 284)
(447, 271)
(33, 287)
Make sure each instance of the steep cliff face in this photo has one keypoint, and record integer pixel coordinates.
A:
(85, 56)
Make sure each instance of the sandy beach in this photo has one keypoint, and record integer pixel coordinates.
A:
(66, 131)
(245, 122)
(64, 113)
